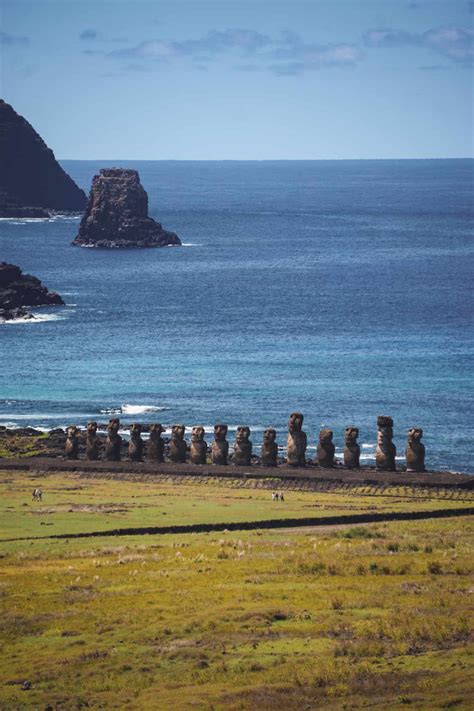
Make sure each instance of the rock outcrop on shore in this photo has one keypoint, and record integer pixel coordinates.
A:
(18, 290)
(117, 214)
(32, 183)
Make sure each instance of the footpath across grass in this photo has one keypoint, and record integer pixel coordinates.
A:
(376, 616)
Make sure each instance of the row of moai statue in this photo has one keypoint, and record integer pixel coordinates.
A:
(385, 452)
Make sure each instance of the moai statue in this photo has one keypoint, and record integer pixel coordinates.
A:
(386, 450)
(297, 441)
(242, 447)
(178, 445)
(71, 447)
(220, 446)
(198, 446)
(156, 445)
(351, 448)
(113, 443)
(269, 449)
(415, 451)
(135, 446)
(325, 450)
(92, 442)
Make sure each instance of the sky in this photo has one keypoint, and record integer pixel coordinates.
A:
(242, 79)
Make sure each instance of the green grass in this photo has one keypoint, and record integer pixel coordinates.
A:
(375, 616)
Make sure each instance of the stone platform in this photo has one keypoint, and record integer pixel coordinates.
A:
(338, 475)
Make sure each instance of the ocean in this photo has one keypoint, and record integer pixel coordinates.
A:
(342, 289)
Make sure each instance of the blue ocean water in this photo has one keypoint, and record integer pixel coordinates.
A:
(339, 288)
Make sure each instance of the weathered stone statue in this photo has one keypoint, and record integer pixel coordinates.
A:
(178, 444)
(385, 451)
(242, 447)
(71, 447)
(198, 446)
(113, 443)
(156, 445)
(351, 448)
(220, 446)
(135, 446)
(269, 449)
(415, 451)
(297, 441)
(325, 450)
(92, 442)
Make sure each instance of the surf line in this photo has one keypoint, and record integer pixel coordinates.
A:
(256, 525)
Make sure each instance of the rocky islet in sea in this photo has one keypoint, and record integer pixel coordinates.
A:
(116, 215)
(18, 290)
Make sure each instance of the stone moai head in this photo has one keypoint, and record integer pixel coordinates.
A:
(197, 434)
(269, 448)
(414, 435)
(72, 442)
(385, 451)
(325, 436)
(350, 435)
(135, 430)
(220, 432)
(325, 448)
(269, 436)
(415, 451)
(91, 429)
(243, 434)
(113, 427)
(351, 447)
(177, 432)
(295, 423)
(156, 431)
(385, 425)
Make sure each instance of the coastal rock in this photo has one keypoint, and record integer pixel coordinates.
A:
(116, 215)
(18, 290)
(32, 182)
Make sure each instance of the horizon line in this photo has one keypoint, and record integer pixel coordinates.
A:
(262, 160)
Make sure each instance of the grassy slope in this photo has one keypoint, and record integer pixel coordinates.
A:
(368, 617)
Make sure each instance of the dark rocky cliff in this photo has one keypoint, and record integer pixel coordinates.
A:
(31, 180)
(18, 290)
(117, 214)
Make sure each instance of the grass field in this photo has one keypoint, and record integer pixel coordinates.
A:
(375, 616)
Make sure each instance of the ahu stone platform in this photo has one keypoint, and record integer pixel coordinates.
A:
(339, 475)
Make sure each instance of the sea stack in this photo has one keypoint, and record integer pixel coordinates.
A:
(18, 290)
(116, 215)
(32, 183)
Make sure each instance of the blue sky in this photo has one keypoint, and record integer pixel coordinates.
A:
(228, 79)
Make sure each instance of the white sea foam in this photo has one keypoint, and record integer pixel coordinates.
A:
(38, 318)
(127, 409)
(190, 244)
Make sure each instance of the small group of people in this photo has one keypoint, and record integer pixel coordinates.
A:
(278, 496)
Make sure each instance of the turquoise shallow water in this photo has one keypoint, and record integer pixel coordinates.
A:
(339, 288)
